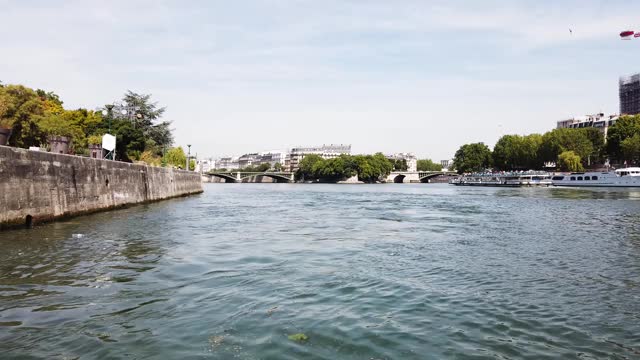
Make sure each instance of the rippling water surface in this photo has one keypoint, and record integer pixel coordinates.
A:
(420, 271)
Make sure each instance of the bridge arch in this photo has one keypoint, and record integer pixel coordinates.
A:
(235, 177)
(278, 178)
(399, 179)
(228, 178)
(426, 178)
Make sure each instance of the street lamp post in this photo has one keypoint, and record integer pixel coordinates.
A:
(108, 114)
(188, 156)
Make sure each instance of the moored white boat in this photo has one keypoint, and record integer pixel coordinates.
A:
(521, 179)
(626, 177)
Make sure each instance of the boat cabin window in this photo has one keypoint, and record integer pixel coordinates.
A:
(594, 178)
(573, 178)
(558, 178)
(579, 177)
(587, 178)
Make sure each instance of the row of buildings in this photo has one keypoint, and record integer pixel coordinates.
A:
(290, 160)
(629, 94)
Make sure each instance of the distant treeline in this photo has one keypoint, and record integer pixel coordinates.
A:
(568, 149)
(369, 168)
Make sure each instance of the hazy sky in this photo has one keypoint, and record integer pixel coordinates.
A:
(391, 76)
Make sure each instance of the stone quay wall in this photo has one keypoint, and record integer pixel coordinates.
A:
(39, 186)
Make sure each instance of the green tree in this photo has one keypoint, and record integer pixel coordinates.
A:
(277, 167)
(333, 170)
(21, 109)
(369, 168)
(631, 148)
(306, 165)
(472, 158)
(145, 115)
(382, 165)
(151, 159)
(428, 165)
(569, 161)
(515, 152)
(372, 168)
(130, 141)
(624, 128)
(558, 141)
(159, 132)
(34, 115)
(176, 157)
(597, 140)
(49, 96)
(400, 165)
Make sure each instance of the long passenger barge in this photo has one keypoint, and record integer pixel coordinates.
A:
(515, 179)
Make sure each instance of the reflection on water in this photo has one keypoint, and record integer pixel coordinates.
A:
(382, 271)
(595, 193)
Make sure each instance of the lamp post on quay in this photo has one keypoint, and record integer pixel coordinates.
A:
(108, 112)
(188, 156)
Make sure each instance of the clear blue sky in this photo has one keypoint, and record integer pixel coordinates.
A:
(416, 76)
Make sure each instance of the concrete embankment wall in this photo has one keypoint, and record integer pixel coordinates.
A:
(40, 186)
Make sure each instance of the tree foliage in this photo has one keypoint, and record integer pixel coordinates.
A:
(175, 157)
(21, 110)
(558, 141)
(305, 167)
(372, 168)
(334, 169)
(631, 148)
(626, 127)
(515, 152)
(598, 154)
(369, 168)
(34, 115)
(400, 165)
(145, 116)
(569, 161)
(428, 165)
(474, 157)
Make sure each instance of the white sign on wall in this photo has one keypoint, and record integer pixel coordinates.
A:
(108, 142)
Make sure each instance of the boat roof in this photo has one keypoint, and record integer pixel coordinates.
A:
(628, 169)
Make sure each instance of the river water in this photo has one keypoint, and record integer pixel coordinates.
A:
(397, 271)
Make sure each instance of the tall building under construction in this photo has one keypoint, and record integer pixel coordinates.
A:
(630, 95)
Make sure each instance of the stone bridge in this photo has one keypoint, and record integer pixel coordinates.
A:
(240, 176)
(416, 176)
